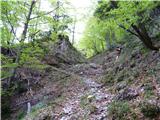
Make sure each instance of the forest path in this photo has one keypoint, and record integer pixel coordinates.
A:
(88, 101)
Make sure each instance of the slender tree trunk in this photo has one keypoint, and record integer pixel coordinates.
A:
(24, 33)
(102, 45)
(57, 15)
(95, 47)
(73, 33)
(108, 43)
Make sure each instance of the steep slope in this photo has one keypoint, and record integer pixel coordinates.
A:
(110, 90)
(34, 86)
(134, 80)
(102, 89)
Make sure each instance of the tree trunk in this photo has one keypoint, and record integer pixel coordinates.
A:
(140, 30)
(24, 33)
(108, 44)
(102, 45)
(144, 37)
(73, 33)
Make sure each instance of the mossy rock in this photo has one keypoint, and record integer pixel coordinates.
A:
(127, 94)
(121, 85)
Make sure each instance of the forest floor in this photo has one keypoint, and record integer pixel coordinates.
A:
(88, 101)
(83, 99)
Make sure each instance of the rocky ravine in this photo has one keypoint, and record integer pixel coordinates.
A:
(81, 90)
(64, 90)
(85, 100)
(90, 102)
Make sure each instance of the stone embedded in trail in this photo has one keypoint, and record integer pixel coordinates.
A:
(91, 83)
(68, 109)
(93, 65)
(121, 85)
(127, 94)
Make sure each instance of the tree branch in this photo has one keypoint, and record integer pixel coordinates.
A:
(33, 34)
(128, 30)
(12, 28)
(13, 71)
(44, 14)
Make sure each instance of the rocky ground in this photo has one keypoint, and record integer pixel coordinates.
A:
(89, 101)
(84, 99)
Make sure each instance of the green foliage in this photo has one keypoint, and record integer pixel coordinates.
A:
(148, 90)
(100, 35)
(103, 29)
(29, 51)
(31, 55)
(92, 42)
(109, 78)
(125, 13)
(21, 115)
(149, 110)
(83, 101)
(120, 110)
(112, 76)
(7, 65)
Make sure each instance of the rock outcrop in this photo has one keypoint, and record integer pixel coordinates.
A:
(63, 52)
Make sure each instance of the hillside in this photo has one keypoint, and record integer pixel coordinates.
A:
(63, 60)
(97, 89)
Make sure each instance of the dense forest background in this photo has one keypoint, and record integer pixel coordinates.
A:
(34, 40)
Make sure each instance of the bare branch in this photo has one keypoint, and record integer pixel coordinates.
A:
(38, 24)
(44, 14)
(12, 27)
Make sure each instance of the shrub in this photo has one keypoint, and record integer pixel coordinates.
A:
(148, 93)
(108, 79)
(149, 110)
(21, 115)
(6, 102)
(119, 110)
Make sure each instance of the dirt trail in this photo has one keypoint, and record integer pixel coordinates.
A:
(88, 102)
